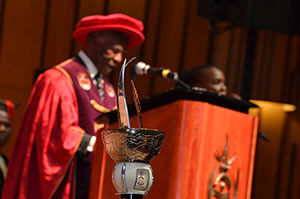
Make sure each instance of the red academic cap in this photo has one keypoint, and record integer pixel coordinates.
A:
(117, 22)
(8, 107)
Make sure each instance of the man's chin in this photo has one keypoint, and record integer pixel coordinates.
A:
(3, 140)
(222, 93)
(107, 70)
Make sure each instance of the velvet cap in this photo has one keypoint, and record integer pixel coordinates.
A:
(7, 108)
(117, 22)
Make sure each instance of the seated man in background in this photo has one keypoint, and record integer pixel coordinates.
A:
(6, 114)
(51, 155)
(207, 76)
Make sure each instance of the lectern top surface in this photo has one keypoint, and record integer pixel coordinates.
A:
(180, 94)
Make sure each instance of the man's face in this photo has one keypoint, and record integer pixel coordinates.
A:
(212, 79)
(106, 49)
(5, 129)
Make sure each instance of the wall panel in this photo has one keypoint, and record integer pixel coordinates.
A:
(58, 35)
(91, 7)
(240, 61)
(134, 8)
(221, 47)
(260, 53)
(152, 19)
(2, 9)
(277, 67)
(291, 67)
(169, 43)
(235, 60)
(293, 76)
(261, 66)
(197, 41)
(22, 32)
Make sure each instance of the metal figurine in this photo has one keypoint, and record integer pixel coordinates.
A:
(222, 185)
(122, 104)
(137, 105)
(131, 148)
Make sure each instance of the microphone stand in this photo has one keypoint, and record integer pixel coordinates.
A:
(183, 84)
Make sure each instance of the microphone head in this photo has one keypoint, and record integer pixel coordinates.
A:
(141, 68)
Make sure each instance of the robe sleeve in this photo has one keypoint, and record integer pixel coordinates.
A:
(48, 138)
(59, 135)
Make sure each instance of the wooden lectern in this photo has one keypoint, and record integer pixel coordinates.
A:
(197, 127)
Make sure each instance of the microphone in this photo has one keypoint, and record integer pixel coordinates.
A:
(142, 68)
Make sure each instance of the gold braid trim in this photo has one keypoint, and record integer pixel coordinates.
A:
(98, 107)
(78, 129)
(59, 67)
(71, 158)
(114, 108)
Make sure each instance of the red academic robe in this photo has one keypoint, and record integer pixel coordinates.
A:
(48, 140)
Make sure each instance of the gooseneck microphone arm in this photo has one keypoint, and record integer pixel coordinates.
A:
(184, 85)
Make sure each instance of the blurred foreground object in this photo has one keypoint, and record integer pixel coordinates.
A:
(132, 149)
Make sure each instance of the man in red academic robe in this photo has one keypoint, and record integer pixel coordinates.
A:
(51, 153)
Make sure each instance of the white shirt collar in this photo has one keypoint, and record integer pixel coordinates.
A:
(91, 68)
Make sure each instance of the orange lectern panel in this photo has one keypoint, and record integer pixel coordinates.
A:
(195, 132)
